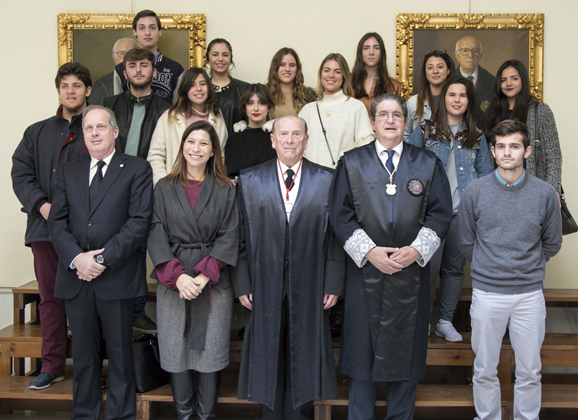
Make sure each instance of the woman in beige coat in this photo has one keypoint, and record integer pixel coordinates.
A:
(196, 102)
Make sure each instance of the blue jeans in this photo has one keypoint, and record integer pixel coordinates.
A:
(139, 306)
(449, 263)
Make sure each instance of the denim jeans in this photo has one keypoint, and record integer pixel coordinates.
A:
(449, 263)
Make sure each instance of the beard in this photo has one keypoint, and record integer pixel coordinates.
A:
(140, 85)
(74, 110)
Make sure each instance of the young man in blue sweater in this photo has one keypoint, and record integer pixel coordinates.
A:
(510, 225)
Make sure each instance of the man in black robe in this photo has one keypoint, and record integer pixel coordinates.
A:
(390, 208)
(290, 271)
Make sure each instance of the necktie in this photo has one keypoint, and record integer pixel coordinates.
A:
(389, 163)
(95, 184)
(471, 79)
(289, 179)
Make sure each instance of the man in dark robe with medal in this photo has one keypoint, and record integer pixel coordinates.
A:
(290, 272)
(390, 208)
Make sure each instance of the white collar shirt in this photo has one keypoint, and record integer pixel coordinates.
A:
(282, 172)
(474, 75)
(94, 166)
(383, 156)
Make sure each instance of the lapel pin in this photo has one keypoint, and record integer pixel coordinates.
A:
(122, 165)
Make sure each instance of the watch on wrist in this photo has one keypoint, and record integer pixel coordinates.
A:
(100, 260)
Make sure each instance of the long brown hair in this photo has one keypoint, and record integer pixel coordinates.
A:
(215, 165)
(425, 89)
(301, 94)
(443, 132)
(359, 74)
(499, 108)
(184, 104)
(345, 73)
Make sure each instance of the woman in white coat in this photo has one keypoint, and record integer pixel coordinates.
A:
(196, 102)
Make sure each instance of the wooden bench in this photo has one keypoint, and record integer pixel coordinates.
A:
(432, 396)
(28, 294)
(24, 340)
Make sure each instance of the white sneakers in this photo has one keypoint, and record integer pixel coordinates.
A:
(446, 330)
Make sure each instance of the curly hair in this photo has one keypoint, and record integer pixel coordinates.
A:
(301, 94)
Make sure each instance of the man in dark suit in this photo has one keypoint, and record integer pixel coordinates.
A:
(100, 216)
(468, 53)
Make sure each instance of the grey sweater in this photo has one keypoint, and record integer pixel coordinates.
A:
(509, 232)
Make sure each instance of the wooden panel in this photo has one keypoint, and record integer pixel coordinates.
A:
(451, 357)
(143, 411)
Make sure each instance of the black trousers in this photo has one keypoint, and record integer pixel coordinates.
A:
(86, 314)
(400, 400)
(283, 394)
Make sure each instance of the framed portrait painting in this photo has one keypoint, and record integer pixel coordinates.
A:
(481, 42)
(89, 39)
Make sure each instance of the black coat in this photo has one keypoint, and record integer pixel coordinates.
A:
(123, 106)
(316, 267)
(247, 147)
(45, 147)
(386, 317)
(119, 222)
(228, 99)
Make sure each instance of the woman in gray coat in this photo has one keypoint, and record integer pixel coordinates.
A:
(512, 100)
(192, 243)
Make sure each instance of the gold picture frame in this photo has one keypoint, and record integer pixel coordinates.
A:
(418, 29)
(83, 37)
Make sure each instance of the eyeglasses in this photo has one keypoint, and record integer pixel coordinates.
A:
(384, 116)
(466, 51)
(121, 53)
(432, 52)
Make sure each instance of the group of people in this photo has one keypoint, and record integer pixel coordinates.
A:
(288, 199)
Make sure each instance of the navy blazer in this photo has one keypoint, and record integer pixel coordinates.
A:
(119, 222)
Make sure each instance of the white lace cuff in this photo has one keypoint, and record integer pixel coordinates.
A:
(358, 245)
(426, 243)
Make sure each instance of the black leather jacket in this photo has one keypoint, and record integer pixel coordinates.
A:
(123, 105)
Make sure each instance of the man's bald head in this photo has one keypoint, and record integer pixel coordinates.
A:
(468, 53)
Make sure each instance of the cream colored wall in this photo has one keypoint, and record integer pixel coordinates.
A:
(257, 29)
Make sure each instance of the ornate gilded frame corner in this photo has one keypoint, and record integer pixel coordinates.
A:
(408, 23)
(196, 24)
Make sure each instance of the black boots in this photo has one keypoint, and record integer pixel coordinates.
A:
(183, 387)
(205, 394)
(208, 392)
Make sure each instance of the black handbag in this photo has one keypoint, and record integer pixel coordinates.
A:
(568, 223)
(148, 373)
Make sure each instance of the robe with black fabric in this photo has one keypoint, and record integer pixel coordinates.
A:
(195, 334)
(384, 335)
(316, 267)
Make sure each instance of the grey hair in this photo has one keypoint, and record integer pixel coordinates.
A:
(388, 97)
(279, 119)
(111, 117)
(479, 42)
(123, 39)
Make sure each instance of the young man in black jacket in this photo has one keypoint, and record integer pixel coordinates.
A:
(137, 111)
(45, 147)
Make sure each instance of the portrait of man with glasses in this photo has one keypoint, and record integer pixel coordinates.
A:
(468, 53)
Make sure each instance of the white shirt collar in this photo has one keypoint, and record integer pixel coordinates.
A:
(94, 162)
(474, 74)
(379, 148)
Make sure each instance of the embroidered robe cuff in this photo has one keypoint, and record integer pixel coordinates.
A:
(358, 245)
(426, 243)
